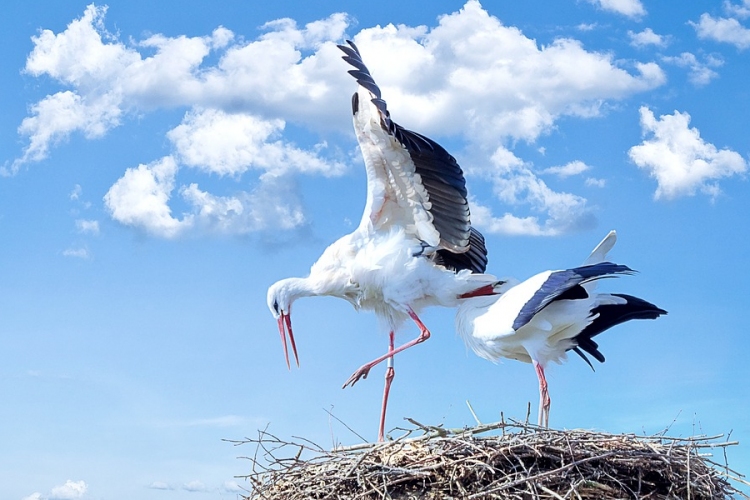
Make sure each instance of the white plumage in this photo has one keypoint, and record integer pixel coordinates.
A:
(414, 246)
(540, 319)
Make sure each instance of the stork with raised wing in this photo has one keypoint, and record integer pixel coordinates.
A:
(414, 247)
(538, 320)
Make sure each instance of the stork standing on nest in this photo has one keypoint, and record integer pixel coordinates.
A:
(414, 247)
(538, 320)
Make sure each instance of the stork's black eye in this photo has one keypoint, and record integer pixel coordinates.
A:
(276, 306)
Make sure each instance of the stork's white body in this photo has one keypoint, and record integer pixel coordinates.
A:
(486, 323)
(414, 246)
(540, 319)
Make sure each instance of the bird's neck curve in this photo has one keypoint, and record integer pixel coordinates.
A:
(301, 287)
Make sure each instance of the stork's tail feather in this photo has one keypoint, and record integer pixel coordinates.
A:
(609, 315)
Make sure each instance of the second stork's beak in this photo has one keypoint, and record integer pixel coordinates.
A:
(285, 325)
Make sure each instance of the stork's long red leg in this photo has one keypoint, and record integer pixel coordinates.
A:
(544, 400)
(365, 369)
(390, 372)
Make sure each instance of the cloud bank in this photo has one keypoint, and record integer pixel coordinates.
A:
(469, 76)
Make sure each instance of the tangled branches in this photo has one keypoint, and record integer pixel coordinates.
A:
(522, 462)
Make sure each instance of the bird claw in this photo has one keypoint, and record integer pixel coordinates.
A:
(362, 372)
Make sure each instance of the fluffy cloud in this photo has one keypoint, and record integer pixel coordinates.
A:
(630, 8)
(468, 76)
(438, 72)
(679, 159)
(722, 29)
(229, 144)
(140, 199)
(110, 78)
(71, 490)
(472, 75)
(645, 38)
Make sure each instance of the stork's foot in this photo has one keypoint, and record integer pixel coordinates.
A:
(362, 372)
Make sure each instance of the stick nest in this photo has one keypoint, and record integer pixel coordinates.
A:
(519, 461)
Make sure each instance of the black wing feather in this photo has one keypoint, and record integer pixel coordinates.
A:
(610, 315)
(474, 260)
(559, 282)
(440, 173)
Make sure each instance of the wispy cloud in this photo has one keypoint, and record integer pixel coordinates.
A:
(701, 72)
(515, 185)
(575, 167)
(85, 226)
(79, 252)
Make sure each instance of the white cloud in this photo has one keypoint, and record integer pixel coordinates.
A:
(470, 76)
(646, 37)
(722, 29)
(34, 496)
(79, 252)
(679, 159)
(160, 485)
(700, 72)
(575, 167)
(741, 11)
(587, 26)
(140, 198)
(593, 182)
(110, 78)
(229, 144)
(71, 490)
(515, 185)
(439, 71)
(87, 226)
(272, 205)
(76, 193)
(630, 8)
(194, 487)
(56, 116)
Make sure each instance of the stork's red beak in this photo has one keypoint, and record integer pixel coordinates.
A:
(285, 325)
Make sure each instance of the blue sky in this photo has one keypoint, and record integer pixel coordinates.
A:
(163, 164)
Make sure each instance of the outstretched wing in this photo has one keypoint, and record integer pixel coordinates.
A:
(413, 182)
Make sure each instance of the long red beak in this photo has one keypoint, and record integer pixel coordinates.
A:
(285, 325)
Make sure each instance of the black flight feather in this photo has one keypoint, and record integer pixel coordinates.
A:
(439, 172)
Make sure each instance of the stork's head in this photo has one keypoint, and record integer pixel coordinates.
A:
(280, 297)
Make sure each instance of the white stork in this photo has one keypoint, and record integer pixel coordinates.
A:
(414, 246)
(540, 319)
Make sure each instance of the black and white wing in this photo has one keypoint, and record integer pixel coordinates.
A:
(565, 285)
(412, 180)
